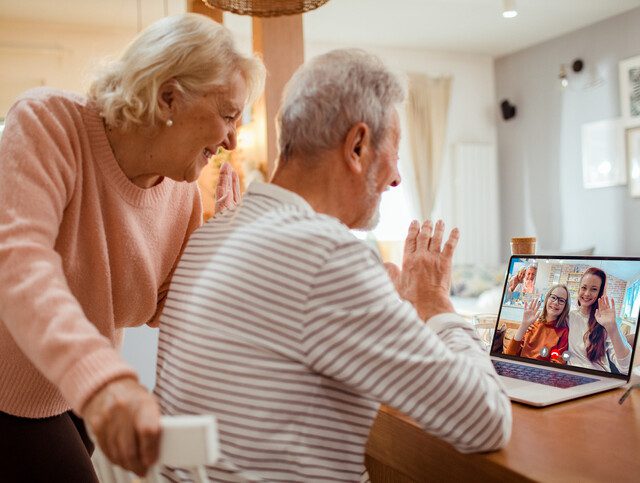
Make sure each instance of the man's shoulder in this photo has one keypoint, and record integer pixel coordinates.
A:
(279, 227)
(285, 218)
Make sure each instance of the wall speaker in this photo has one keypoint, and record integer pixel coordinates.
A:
(508, 110)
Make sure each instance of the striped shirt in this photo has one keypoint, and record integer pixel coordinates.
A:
(287, 328)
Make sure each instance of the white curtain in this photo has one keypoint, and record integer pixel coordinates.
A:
(427, 110)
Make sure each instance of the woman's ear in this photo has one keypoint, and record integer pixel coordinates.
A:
(168, 94)
(355, 146)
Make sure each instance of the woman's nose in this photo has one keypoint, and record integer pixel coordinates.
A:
(231, 141)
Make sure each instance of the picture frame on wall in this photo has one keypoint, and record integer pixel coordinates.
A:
(630, 90)
(603, 154)
(633, 160)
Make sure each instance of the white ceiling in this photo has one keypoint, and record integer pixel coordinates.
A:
(474, 26)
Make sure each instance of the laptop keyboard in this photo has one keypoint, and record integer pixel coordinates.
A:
(540, 376)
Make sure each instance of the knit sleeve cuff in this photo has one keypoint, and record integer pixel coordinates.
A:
(90, 373)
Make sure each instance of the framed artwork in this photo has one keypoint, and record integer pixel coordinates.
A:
(630, 90)
(603, 160)
(633, 161)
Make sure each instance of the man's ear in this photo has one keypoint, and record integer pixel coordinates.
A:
(355, 146)
(168, 95)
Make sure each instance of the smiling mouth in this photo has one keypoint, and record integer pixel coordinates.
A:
(207, 153)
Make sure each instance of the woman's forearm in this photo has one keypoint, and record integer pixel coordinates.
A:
(620, 348)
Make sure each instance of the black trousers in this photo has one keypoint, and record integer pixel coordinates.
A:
(55, 449)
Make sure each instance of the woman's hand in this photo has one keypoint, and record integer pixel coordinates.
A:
(606, 313)
(606, 317)
(228, 188)
(516, 279)
(125, 419)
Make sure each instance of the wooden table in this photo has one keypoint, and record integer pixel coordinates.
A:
(588, 439)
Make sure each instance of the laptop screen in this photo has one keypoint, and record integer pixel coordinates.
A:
(581, 313)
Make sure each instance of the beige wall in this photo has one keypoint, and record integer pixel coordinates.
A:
(59, 55)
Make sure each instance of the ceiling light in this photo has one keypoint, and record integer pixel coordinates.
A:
(509, 10)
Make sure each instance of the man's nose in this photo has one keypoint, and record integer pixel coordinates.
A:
(396, 180)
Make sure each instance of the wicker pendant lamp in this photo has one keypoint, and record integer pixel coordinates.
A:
(265, 8)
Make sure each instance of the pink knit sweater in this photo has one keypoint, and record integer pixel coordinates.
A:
(83, 253)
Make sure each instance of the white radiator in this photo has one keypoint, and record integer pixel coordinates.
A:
(475, 202)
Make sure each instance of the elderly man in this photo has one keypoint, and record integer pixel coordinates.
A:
(288, 328)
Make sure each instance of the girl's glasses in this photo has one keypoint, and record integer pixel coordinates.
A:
(558, 300)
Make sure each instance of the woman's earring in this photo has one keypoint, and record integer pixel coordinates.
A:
(169, 123)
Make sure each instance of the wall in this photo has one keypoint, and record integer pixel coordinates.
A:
(34, 54)
(539, 151)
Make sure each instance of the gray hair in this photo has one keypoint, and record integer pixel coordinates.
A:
(331, 93)
(198, 53)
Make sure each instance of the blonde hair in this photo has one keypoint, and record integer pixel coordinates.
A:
(193, 50)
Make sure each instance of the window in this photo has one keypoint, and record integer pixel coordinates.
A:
(631, 302)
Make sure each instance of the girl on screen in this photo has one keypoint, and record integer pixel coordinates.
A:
(594, 335)
(544, 337)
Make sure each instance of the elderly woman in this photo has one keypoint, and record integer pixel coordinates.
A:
(98, 201)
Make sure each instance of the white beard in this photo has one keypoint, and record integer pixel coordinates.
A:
(374, 219)
(373, 197)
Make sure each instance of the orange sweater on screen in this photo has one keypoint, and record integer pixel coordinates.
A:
(83, 253)
(540, 334)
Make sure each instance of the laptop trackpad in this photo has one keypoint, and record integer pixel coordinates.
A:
(511, 383)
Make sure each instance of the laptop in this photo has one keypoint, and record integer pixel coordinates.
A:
(557, 357)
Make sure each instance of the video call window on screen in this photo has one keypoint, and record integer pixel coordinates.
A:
(581, 313)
